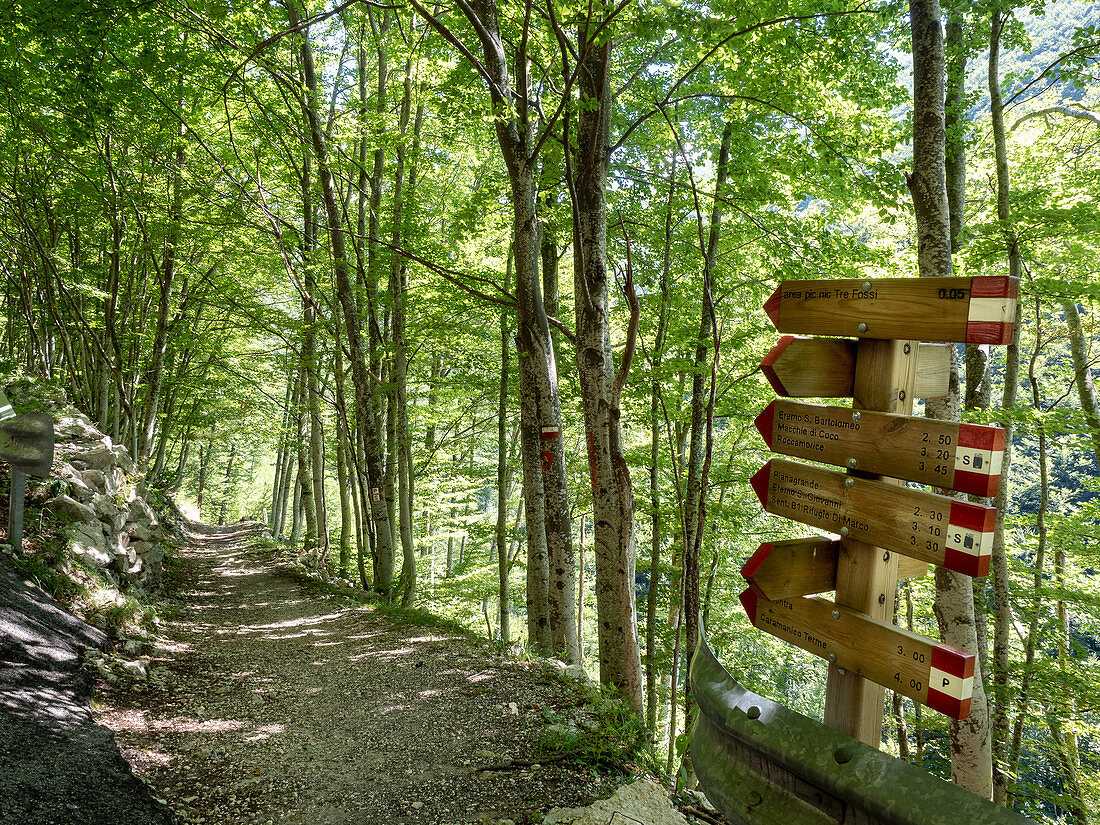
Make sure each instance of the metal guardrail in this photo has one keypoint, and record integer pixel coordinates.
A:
(760, 763)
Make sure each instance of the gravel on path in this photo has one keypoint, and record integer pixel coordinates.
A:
(272, 700)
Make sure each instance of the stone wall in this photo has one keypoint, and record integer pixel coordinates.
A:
(110, 524)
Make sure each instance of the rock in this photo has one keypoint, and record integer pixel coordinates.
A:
(135, 668)
(125, 462)
(75, 482)
(100, 457)
(95, 479)
(642, 801)
(72, 509)
(71, 428)
(108, 511)
(90, 548)
(144, 532)
(141, 513)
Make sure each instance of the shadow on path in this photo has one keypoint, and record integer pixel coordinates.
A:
(285, 703)
(56, 764)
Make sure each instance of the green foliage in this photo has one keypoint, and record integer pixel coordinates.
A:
(605, 736)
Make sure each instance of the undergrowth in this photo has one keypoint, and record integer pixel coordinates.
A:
(607, 736)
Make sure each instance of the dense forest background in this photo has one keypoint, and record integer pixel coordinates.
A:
(367, 272)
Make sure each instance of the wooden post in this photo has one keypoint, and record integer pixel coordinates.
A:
(15, 509)
(867, 576)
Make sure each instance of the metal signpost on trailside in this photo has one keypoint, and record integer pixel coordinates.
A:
(26, 443)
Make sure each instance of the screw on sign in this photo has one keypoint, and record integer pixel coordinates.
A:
(943, 531)
(976, 310)
(826, 368)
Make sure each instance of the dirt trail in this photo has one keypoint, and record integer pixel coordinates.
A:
(282, 703)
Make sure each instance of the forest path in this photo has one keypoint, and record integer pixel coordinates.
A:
(272, 701)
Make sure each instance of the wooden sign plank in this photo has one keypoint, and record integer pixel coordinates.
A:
(799, 567)
(805, 567)
(935, 675)
(825, 368)
(979, 310)
(925, 526)
(963, 457)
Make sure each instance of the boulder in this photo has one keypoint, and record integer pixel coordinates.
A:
(109, 512)
(641, 801)
(100, 457)
(75, 482)
(90, 552)
(72, 509)
(123, 460)
(141, 513)
(95, 479)
(144, 532)
(70, 428)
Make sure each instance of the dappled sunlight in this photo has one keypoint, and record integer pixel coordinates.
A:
(388, 709)
(264, 732)
(135, 721)
(304, 620)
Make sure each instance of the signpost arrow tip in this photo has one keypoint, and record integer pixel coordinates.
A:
(764, 423)
(771, 306)
(760, 482)
(748, 601)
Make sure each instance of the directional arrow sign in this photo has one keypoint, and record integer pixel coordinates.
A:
(782, 569)
(964, 457)
(935, 529)
(803, 567)
(935, 675)
(978, 310)
(26, 442)
(826, 367)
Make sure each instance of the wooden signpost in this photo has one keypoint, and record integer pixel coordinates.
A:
(826, 368)
(970, 310)
(936, 529)
(935, 675)
(879, 519)
(963, 457)
(801, 567)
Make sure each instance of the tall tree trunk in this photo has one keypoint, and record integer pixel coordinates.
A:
(562, 587)
(701, 439)
(314, 445)
(305, 476)
(971, 765)
(228, 482)
(346, 295)
(1035, 606)
(1002, 606)
(651, 665)
(504, 566)
(1082, 370)
(204, 463)
(400, 355)
(167, 272)
(601, 385)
